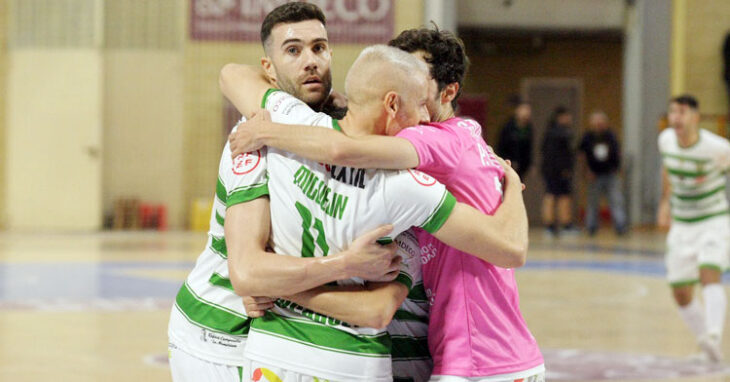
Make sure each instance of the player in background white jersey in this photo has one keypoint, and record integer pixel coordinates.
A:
(695, 205)
(208, 325)
(376, 108)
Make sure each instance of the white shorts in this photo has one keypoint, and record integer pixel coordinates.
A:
(691, 246)
(262, 372)
(535, 374)
(188, 368)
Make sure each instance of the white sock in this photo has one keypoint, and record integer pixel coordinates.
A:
(694, 317)
(715, 305)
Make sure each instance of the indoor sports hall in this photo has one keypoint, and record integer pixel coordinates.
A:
(112, 125)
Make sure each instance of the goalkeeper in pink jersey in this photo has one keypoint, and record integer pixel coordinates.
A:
(476, 330)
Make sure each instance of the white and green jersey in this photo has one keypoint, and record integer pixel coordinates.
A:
(208, 319)
(317, 210)
(409, 329)
(697, 175)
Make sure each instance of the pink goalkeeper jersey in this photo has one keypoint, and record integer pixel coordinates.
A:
(475, 328)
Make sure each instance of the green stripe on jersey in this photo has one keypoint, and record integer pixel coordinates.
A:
(699, 196)
(418, 293)
(323, 337)
(336, 125)
(686, 158)
(266, 97)
(409, 348)
(405, 279)
(220, 219)
(210, 315)
(438, 218)
(686, 173)
(220, 281)
(218, 245)
(404, 315)
(220, 191)
(246, 194)
(699, 218)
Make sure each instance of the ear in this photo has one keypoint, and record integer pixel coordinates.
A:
(391, 104)
(449, 92)
(269, 69)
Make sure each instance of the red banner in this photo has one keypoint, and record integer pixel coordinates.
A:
(348, 21)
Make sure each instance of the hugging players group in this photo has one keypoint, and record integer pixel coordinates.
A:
(395, 230)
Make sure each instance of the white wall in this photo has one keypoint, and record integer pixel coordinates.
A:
(143, 129)
(53, 141)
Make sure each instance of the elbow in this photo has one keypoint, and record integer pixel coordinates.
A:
(385, 315)
(517, 255)
(378, 314)
(341, 155)
(227, 75)
(242, 283)
(380, 320)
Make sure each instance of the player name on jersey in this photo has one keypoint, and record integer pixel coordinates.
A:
(318, 191)
(348, 175)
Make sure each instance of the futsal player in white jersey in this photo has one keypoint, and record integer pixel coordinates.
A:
(208, 324)
(695, 207)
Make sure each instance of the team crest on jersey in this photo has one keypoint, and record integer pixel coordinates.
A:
(422, 178)
(246, 162)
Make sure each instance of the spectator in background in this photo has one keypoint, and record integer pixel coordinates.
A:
(600, 149)
(558, 158)
(515, 140)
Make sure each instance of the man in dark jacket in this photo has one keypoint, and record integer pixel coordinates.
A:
(558, 159)
(515, 140)
(600, 149)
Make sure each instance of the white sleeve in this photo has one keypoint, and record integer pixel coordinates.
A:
(287, 109)
(413, 198)
(242, 178)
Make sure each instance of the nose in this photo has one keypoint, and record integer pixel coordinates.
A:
(310, 61)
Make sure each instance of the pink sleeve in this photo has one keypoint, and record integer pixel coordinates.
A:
(438, 149)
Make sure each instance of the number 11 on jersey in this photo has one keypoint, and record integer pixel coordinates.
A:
(307, 238)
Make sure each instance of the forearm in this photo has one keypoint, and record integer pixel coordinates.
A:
(333, 147)
(507, 232)
(371, 306)
(261, 273)
(500, 239)
(255, 272)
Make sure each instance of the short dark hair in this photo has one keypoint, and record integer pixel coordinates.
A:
(290, 13)
(444, 52)
(557, 112)
(686, 99)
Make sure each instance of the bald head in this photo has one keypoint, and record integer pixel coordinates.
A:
(381, 69)
(598, 120)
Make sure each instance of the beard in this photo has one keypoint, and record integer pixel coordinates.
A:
(314, 99)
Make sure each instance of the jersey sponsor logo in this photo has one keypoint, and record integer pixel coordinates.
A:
(246, 162)
(422, 178)
(428, 253)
